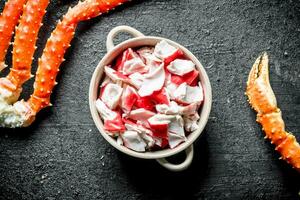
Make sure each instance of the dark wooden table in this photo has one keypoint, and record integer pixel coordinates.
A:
(63, 156)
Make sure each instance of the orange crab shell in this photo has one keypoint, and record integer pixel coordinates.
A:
(263, 101)
(273, 126)
(290, 151)
(57, 45)
(25, 39)
(8, 20)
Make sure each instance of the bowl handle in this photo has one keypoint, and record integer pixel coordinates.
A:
(179, 167)
(126, 29)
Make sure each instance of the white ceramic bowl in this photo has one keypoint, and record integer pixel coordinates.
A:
(141, 40)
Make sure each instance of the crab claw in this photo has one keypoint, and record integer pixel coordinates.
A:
(259, 91)
(263, 101)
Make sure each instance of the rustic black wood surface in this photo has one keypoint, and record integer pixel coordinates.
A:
(62, 155)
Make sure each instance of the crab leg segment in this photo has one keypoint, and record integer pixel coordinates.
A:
(8, 20)
(57, 45)
(23, 113)
(25, 39)
(263, 101)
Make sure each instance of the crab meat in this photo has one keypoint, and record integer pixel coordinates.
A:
(136, 79)
(148, 57)
(161, 97)
(174, 109)
(158, 119)
(140, 114)
(114, 125)
(143, 132)
(191, 122)
(186, 94)
(189, 109)
(112, 119)
(133, 141)
(190, 78)
(166, 52)
(194, 94)
(128, 54)
(115, 76)
(145, 102)
(111, 95)
(176, 126)
(174, 140)
(159, 100)
(181, 67)
(153, 81)
(104, 111)
(159, 125)
(144, 52)
(171, 88)
(176, 133)
(134, 65)
(128, 99)
(180, 92)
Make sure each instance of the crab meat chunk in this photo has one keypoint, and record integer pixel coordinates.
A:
(186, 94)
(159, 125)
(136, 79)
(176, 133)
(104, 111)
(176, 126)
(145, 102)
(128, 99)
(191, 122)
(140, 114)
(143, 132)
(161, 97)
(153, 81)
(128, 54)
(158, 119)
(114, 125)
(181, 67)
(175, 140)
(172, 109)
(112, 119)
(171, 88)
(166, 52)
(111, 95)
(146, 53)
(189, 109)
(190, 78)
(115, 76)
(134, 65)
(133, 141)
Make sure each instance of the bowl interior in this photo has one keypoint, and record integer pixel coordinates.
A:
(140, 42)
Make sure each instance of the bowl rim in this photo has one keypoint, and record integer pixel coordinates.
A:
(140, 42)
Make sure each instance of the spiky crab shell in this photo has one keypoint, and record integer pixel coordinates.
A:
(25, 40)
(8, 20)
(24, 47)
(263, 101)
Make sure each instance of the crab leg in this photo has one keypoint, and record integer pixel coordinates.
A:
(25, 39)
(263, 101)
(8, 20)
(23, 113)
(23, 50)
(58, 43)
